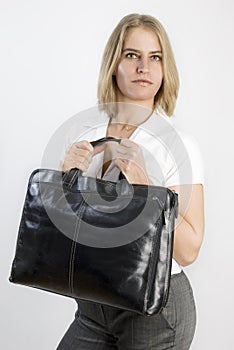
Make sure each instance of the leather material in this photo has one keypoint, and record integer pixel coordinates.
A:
(97, 240)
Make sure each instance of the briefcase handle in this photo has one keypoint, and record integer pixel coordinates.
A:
(103, 140)
(71, 175)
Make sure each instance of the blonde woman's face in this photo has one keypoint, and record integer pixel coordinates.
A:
(139, 73)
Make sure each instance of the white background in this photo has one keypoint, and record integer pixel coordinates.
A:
(50, 56)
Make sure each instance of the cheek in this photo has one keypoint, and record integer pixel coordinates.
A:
(158, 73)
(124, 70)
(121, 72)
(158, 80)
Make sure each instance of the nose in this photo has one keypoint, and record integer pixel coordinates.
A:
(142, 66)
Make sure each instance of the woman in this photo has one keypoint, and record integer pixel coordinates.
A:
(138, 80)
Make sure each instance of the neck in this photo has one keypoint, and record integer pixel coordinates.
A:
(132, 114)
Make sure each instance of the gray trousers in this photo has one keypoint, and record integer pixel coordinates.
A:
(101, 327)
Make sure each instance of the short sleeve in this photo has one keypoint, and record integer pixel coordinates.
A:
(188, 167)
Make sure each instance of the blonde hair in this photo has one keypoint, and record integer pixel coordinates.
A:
(165, 99)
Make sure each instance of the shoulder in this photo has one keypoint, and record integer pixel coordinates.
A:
(193, 156)
(191, 144)
(180, 136)
(183, 147)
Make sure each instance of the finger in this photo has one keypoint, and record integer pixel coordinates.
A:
(118, 163)
(83, 163)
(127, 143)
(80, 162)
(122, 164)
(86, 145)
(126, 154)
(71, 165)
(121, 151)
(99, 149)
(127, 148)
(131, 152)
(78, 153)
(86, 156)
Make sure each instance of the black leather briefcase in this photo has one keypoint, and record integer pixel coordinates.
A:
(96, 240)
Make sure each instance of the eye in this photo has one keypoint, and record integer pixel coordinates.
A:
(131, 55)
(156, 58)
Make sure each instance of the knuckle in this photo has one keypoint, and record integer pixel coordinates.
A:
(75, 145)
(84, 144)
(87, 145)
(127, 167)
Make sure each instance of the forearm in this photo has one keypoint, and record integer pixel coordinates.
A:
(186, 242)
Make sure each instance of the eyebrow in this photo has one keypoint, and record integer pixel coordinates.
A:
(138, 51)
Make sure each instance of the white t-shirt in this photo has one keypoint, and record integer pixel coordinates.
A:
(172, 157)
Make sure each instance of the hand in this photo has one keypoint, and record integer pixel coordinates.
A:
(80, 154)
(130, 160)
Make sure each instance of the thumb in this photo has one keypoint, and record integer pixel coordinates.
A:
(99, 149)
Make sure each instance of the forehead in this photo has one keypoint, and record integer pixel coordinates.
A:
(142, 38)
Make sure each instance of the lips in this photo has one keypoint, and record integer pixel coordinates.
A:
(142, 82)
